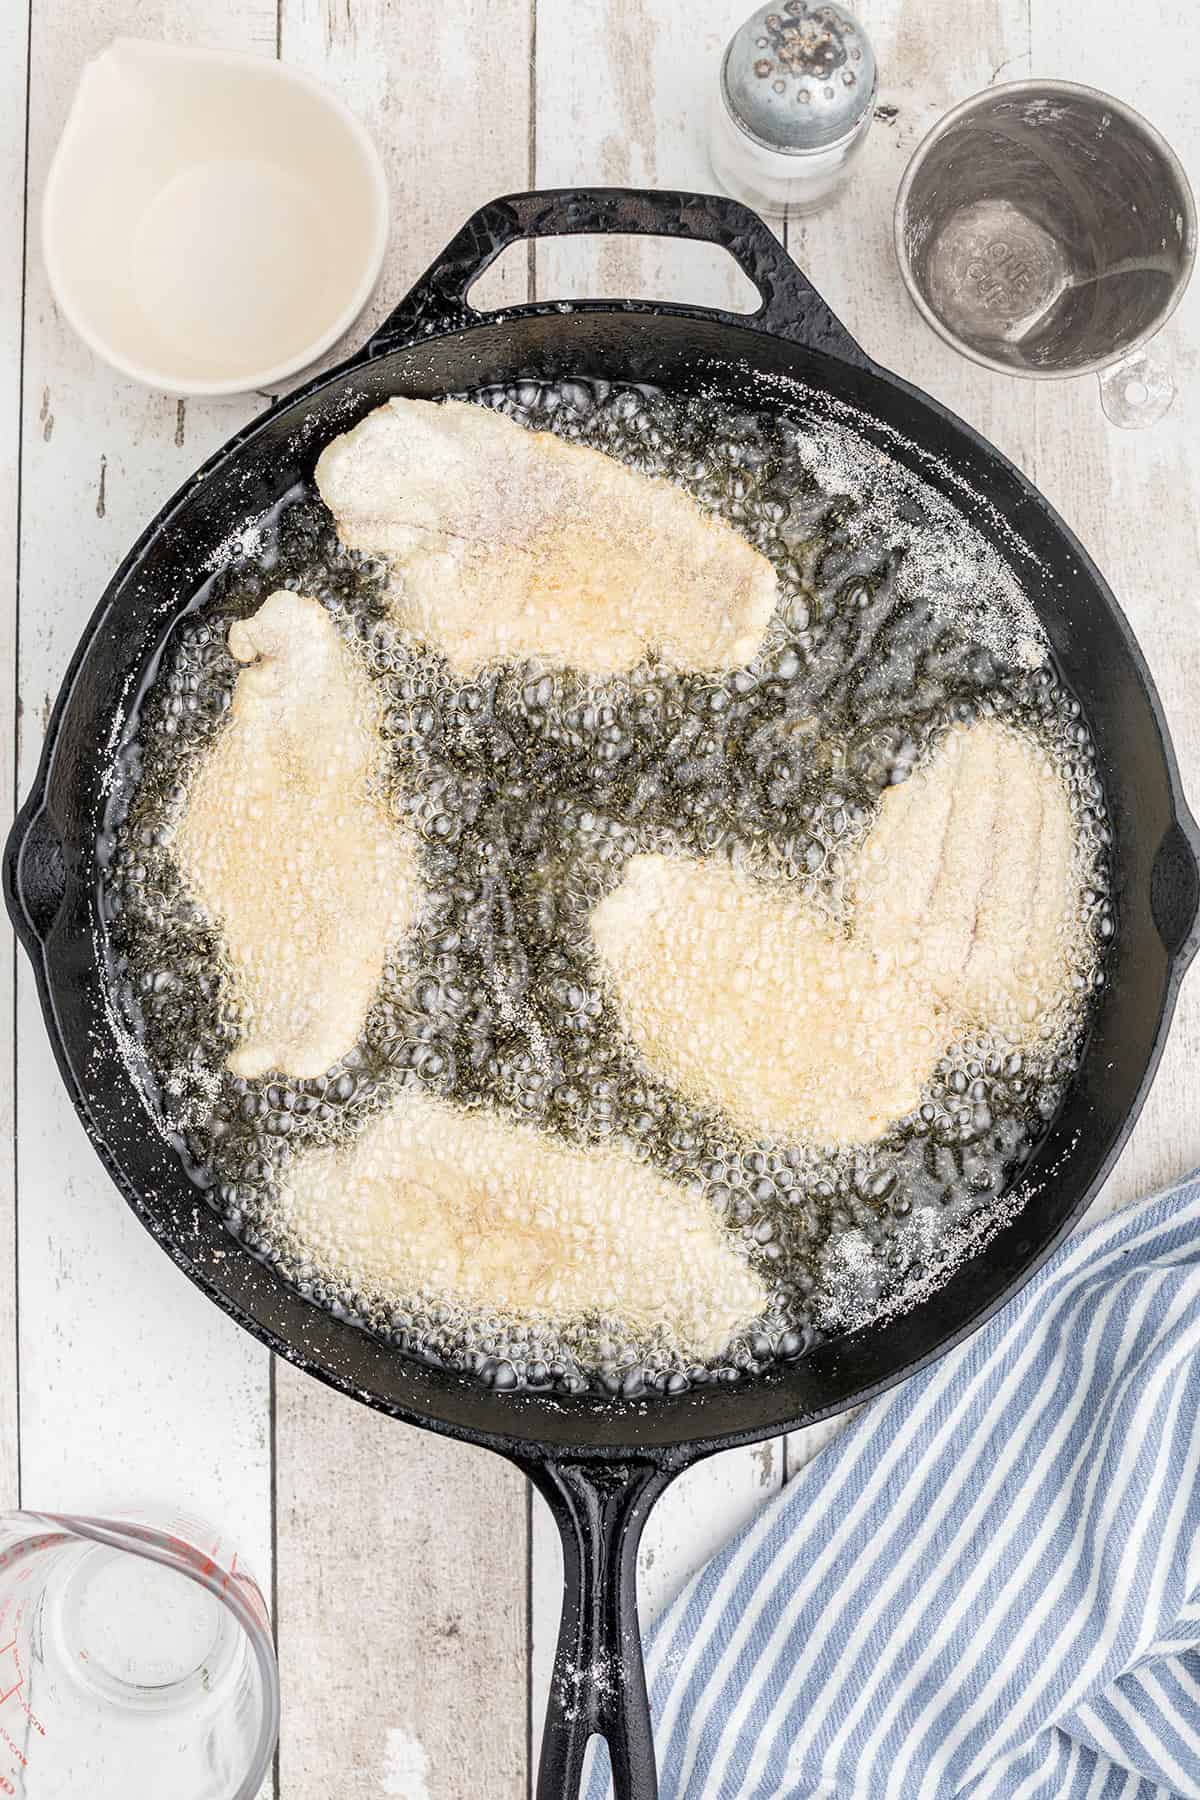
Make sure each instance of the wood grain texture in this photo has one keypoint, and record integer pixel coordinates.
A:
(401, 1612)
(408, 1548)
(14, 55)
(133, 1385)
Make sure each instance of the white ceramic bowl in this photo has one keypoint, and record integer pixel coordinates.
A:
(212, 221)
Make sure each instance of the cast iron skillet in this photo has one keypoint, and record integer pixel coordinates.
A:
(601, 1465)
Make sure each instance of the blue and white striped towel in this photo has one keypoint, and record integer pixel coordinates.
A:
(990, 1585)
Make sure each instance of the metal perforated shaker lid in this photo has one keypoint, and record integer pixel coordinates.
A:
(798, 76)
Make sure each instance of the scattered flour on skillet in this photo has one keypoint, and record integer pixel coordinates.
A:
(852, 1294)
(949, 551)
(247, 538)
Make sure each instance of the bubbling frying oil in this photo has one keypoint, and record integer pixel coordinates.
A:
(529, 792)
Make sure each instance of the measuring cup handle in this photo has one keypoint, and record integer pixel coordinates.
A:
(1138, 390)
(599, 1684)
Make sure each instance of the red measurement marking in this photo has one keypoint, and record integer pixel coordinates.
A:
(229, 1575)
(203, 1565)
(15, 1748)
(8, 1687)
(32, 1717)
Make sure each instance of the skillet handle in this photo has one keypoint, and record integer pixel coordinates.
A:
(35, 874)
(1175, 888)
(599, 1684)
(791, 307)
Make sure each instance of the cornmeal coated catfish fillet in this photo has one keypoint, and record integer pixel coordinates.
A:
(285, 845)
(966, 917)
(968, 880)
(508, 544)
(742, 998)
(466, 1208)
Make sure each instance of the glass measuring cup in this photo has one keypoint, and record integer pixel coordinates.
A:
(135, 1661)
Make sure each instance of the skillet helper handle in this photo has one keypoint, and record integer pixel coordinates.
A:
(790, 305)
(1175, 888)
(599, 1684)
(35, 874)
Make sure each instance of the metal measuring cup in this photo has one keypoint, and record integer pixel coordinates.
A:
(1046, 229)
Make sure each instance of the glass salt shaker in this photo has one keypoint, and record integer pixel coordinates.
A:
(793, 106)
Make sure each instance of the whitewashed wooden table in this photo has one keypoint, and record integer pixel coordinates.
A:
(415, 1582)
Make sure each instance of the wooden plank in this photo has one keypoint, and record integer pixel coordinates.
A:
(132, 1385)
(1131, 496)
(700, 1512)
(409, 1547)
(14, 60)
(401, 1610)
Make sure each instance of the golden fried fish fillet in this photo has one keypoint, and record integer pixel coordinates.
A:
(966, 918)
(465, 1208)
(285, 845)
(746, 1001)
(968, 880)
(507, 543)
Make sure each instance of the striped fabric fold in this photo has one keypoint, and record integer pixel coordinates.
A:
(990, 1584)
